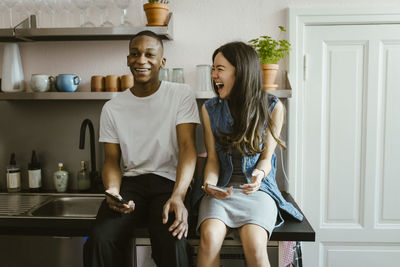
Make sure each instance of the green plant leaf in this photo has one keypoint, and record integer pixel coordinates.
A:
(271, 51)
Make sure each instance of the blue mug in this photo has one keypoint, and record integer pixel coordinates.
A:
(67, 82)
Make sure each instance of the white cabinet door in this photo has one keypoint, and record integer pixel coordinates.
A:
(350, 145)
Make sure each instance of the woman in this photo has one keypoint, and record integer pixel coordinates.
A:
(241, 129)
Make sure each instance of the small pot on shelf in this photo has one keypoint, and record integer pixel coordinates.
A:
(269, 76)
(156, 12)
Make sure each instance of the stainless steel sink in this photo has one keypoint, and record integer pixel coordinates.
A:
(81, 207)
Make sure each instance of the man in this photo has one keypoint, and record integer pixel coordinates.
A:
(152, 126)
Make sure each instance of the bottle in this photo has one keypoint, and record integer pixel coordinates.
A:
(60, 179)
(83, 177)
(13, 176)
(34, 174)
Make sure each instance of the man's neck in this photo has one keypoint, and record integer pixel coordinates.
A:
(145, 89)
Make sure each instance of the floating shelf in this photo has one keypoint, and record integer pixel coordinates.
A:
(7, 35)
(26, 31)
(280, 93)
(104, 95)
(205, 94)
(76, 95)
(58, 96)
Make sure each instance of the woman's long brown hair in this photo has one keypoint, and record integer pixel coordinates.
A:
(248, 102)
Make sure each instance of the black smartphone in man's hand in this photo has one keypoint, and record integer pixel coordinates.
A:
(122, 201)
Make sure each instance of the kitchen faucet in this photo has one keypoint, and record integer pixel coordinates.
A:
(94, 175)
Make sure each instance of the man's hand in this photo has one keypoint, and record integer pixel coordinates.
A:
(180, 226)
(117, 206)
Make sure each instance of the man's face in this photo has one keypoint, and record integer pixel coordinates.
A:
(145, 58)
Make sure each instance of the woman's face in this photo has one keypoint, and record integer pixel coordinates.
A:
(223, 74)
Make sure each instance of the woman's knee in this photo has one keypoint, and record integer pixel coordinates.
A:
(254, 241)
(256, 252)
(211, 236)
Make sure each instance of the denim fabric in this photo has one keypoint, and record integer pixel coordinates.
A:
(222, 121)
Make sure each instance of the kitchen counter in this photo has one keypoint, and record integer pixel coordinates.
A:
(80, 226)
(16, 217)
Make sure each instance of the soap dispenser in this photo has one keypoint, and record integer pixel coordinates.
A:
(13, 176)
(83, 177)
(60, 179)
(34, 174)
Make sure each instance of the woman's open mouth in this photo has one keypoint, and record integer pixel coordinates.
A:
(219, 85)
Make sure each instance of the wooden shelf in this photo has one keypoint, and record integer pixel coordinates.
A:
(76, 95)
(281, 93)
(26, 31)
(205, 94)
(104, 95)
(58, 96)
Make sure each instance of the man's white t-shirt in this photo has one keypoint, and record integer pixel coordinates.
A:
(145, 128)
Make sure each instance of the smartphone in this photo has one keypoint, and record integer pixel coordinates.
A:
(122, 201)
(217, 188)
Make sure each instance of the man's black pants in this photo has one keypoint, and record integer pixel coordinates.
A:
(110, 239)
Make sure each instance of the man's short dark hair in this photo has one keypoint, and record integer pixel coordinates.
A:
(150, 34)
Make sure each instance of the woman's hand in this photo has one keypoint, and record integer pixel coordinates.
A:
(254, 185)
(117, 206)
(216, 193)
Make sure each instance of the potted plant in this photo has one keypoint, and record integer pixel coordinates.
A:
(156, 12)
(270, 52)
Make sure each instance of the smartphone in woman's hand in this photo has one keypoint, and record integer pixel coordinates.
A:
(217, 188)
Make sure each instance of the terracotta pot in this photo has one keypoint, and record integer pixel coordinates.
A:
(269, 75)
(156, 14)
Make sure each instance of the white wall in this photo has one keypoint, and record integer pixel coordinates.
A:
(200, 27)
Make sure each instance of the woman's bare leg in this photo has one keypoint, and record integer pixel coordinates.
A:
(254, 241)
(212, 235)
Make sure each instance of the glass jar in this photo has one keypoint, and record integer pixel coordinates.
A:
(177, 75)
(203, 78)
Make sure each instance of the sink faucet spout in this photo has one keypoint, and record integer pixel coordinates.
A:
(95, 179)
(88, 123)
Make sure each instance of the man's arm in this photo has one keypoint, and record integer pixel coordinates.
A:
(112, 177)
(184, 174)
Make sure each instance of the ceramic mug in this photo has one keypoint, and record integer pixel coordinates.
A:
(112, 83)
(67, 82)
(126, 82)
(41, 82)
(97, 83)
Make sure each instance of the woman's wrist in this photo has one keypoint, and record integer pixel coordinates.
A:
(261, 170)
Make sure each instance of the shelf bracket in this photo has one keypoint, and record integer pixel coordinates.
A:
(28, 23)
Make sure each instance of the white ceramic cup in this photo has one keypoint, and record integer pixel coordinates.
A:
(41, 82)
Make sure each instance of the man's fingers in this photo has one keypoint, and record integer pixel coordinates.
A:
(178, 220)
(165, 213)
(178, 228)
(123, 208)
(174, 224)
(181, 230)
